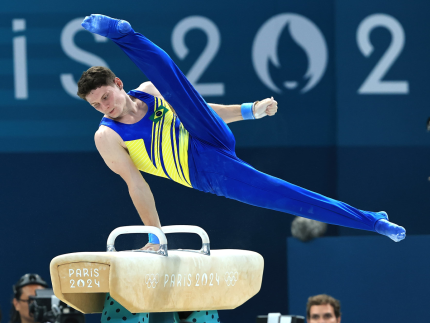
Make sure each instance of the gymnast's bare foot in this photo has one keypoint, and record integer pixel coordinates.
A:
(391, 230)
(106, 26)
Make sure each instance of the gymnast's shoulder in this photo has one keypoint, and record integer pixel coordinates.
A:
(106, 137)
(149, 88)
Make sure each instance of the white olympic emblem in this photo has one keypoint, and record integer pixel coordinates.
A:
(151, 280)
(305, 34)
(231, 278)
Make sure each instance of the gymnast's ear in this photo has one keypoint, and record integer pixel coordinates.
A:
(118, 83)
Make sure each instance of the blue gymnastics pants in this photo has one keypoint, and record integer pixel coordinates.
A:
(214, 166)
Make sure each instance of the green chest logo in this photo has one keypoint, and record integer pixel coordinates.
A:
(158, 114)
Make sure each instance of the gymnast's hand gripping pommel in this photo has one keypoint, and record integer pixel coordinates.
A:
(205, 141)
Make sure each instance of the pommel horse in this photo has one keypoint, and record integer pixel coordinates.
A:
(156, 281)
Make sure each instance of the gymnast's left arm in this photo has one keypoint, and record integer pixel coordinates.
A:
(259, 109)
(228, 113)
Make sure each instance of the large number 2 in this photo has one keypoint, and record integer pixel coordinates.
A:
(374, 83)
(212, 47)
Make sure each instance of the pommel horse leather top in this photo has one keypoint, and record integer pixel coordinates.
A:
(161, 281)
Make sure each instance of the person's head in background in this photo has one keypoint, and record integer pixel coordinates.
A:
(323, 309)
(22, 290)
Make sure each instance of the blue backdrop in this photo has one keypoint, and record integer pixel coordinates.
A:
(228, 60)
(350, 79)
(375, 280)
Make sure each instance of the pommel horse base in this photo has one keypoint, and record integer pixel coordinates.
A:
(161, 281)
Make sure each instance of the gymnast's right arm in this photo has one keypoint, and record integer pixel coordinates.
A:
(108, 143)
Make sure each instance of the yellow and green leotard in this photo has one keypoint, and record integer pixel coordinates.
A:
(158, 143)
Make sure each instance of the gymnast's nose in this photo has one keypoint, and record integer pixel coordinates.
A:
(104, 107)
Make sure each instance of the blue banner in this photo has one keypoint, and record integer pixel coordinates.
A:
(231, 56)
(362, 83)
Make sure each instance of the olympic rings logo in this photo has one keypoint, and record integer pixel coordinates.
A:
(231, 278)
(151, 280)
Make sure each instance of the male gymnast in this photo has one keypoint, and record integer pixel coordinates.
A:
(166, 128)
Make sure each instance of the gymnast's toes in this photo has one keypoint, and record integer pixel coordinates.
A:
(401, 235)
(97, 24)
(391, 230)
(106, 26)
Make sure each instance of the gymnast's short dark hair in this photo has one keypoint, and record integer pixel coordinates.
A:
(93, 78)
(323, 299)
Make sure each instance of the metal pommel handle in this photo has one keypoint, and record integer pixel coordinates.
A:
(191, 229)
(138, 229)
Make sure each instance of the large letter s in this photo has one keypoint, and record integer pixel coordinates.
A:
(79, 55)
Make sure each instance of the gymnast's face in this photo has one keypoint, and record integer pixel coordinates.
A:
(109, 99)
(322, 314)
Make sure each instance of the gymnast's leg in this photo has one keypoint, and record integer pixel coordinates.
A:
(240, 181)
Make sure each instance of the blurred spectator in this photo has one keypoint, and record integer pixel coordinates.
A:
(22, 290)
(323, 309)
(307, 229)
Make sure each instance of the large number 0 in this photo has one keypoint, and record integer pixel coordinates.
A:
(212, 47)
(374, 83)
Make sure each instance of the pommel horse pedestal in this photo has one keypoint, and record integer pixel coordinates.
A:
(157, 281)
